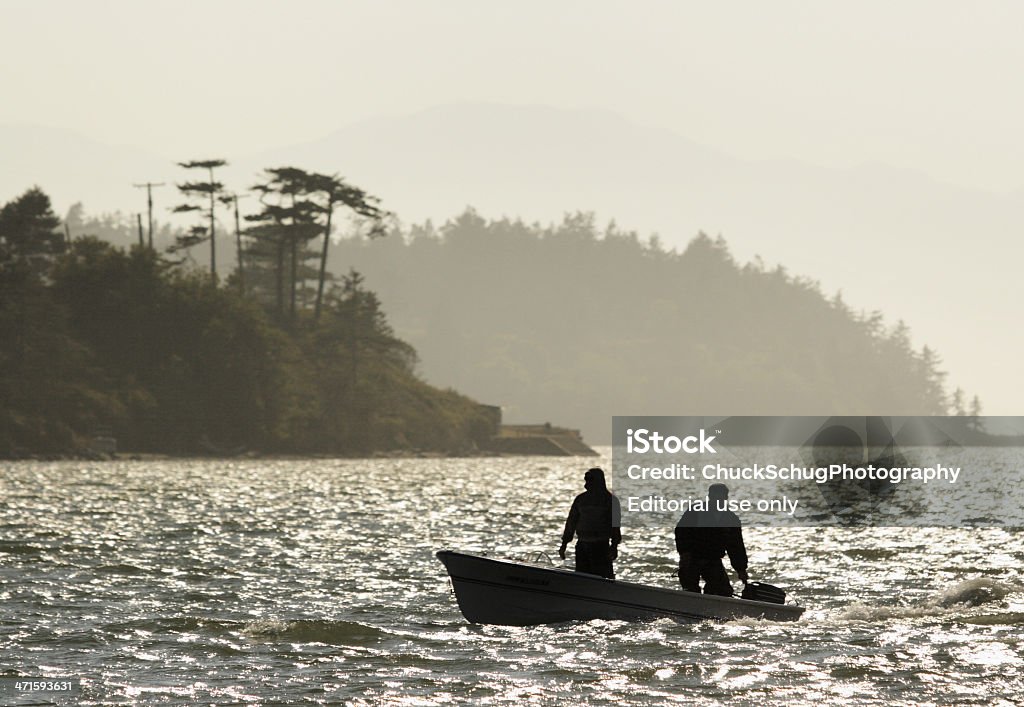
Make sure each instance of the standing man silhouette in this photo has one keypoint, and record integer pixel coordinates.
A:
(703, 538)
(594, 519)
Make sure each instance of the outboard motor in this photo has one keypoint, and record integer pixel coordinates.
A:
(759, 591)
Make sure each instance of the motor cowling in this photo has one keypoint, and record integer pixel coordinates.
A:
(759, 591)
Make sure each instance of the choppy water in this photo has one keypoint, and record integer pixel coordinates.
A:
(290, 582)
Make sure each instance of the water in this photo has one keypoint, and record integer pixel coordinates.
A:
(314, 581)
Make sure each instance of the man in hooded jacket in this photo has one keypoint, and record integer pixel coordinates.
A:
(594, 520)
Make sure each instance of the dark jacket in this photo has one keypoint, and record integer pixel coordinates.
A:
(594, 517)
(705, 535)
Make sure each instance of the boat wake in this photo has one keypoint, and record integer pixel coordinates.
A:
(967, 594)
(975, 592)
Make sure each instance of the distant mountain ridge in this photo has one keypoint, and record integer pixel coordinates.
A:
(72, 167)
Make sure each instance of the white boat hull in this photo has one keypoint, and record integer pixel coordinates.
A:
(514, 594)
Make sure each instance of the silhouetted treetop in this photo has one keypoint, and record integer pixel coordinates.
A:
(28, 231)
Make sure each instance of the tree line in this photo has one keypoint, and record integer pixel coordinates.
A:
(566, 322)
(579, 322)
(171, 359)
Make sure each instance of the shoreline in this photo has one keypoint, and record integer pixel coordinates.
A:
(161, 456)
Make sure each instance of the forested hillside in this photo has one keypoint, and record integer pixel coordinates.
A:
(575, 323)
(170, 359)
(566, 323)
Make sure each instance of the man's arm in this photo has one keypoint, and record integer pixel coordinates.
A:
(616, 521)
(683, 546)
(616, 530)
(570, 527)
(737, 552)
(680, 540)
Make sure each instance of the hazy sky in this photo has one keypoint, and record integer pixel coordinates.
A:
(929, 85)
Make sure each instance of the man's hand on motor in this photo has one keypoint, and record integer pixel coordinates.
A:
(742, 574)
(561, 551)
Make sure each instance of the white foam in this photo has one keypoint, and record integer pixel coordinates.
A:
(974, 592)
(264, 627)
(971, 592)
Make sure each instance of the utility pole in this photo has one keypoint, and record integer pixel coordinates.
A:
(233, 199)
(142, 242)
(149, 198)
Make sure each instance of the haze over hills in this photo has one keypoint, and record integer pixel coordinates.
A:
(71, 167)
(941, 257)
(577, 324)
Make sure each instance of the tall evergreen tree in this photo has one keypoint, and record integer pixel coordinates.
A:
(958, 403)
(335, 192)
(974, 416)
(206, 194)
(286, 223)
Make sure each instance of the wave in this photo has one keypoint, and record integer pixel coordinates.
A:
(173, 624)
(967, 594)
(975, 592)
(121, 568)
(13, 547)
(342, 633)
(1006, 618)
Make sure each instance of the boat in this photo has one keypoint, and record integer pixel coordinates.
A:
(508, 593)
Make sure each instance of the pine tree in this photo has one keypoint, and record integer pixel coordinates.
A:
(206, 193)
(958, 403)
(286, 223)
(335, 191)
(974, 416)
